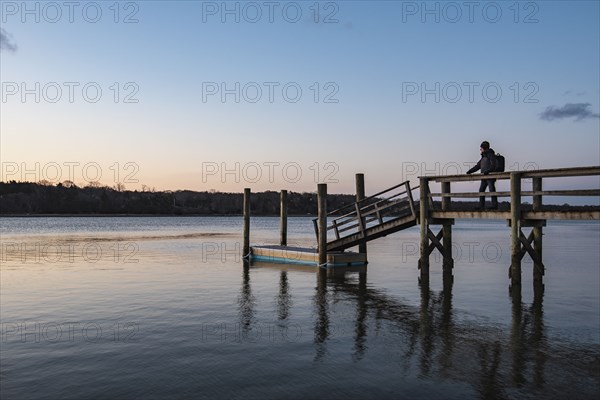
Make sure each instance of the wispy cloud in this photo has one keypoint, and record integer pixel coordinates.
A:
(579, 111)
(6, 42)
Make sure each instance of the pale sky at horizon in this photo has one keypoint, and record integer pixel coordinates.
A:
(361, 72)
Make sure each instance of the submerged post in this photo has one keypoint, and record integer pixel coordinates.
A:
(515, 227)
(322, 217)
(246, 222)
(360, 194)
(424, 225)
(283, 218)
(538, 269)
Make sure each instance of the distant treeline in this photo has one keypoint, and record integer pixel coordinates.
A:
(40, 198)
(35, 198)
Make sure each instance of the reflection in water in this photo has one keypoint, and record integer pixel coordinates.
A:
(446, 324)
(538, 338)
(338, 280)
(284, 298)
(426, 332)
(527, 336)
(246, 302)
(517, 337)
(427, 338)
(360, 327)
(322, 320)
(489, 358)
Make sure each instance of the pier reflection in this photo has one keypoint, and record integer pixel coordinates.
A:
(528, 337)
(424, 337)
(284, 298)
(321, 331)
(246, 302)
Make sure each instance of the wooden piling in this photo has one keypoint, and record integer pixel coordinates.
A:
(448, 262)
(322, 222)
(360, 194)
(246, 222)
(538, 269)
(283, 218)
(424, 225)
(515, 226)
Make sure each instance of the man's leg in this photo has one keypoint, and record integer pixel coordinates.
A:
(492, 184)
(482, 187)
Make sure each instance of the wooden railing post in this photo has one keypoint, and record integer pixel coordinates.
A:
(283, 218)
(424, 225)
(515, 226)
(446, 201)
(322, 217)
(538, 269)
(246, 250)
(360, 194)
(411, 201)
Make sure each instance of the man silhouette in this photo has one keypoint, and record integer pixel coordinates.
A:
(487, 164)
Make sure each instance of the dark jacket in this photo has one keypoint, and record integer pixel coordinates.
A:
(486, 164)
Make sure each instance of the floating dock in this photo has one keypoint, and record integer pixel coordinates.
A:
(305, 256)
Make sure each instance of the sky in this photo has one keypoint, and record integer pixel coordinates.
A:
(277, 95)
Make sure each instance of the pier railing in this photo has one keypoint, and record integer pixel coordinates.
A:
(394, 202)
(515, 194)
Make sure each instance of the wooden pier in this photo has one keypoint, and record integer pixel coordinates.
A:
(395, 209)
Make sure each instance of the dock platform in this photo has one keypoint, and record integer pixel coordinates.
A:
(305, 256)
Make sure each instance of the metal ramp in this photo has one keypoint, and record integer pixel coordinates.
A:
(379, 215)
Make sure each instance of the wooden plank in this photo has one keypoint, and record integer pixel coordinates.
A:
(469, 194)
(493, 214)
(337, 232)
(541, 173)
(470, 178)
(562, 172)
(540, 215)
(583, 192)
(361, 222)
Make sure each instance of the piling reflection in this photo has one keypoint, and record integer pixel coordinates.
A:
(426, 332)
(321, 331)
(446, 324)
(360, 327)
(246, 302)
(424, 337)
(528, 337)
(284, 298)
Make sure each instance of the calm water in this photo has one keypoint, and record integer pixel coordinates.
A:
(164, 308)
